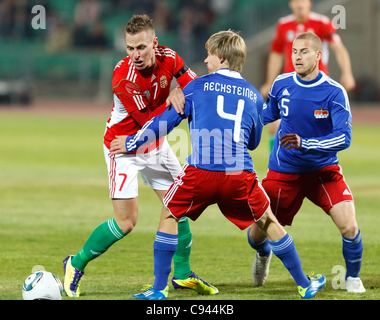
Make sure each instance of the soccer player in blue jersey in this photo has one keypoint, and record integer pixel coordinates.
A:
(225, 120)
(316, 123)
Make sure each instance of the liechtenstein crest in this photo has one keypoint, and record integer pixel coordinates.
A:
(321, 114)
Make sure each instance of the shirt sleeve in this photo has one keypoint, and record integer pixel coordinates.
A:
(182, 72)
(271, 111)
(256, 132)
(135, 101)
(130, 94)
(161, 125)
(278, 41)
(329, 32)
(340, 138)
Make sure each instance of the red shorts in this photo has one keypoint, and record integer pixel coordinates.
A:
(325, 188)
(240, 197)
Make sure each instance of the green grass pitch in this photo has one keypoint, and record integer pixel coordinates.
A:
(54, 192)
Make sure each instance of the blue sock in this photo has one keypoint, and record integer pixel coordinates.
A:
(263, 248)
(286, 251)
(352, 253)
(164, 249)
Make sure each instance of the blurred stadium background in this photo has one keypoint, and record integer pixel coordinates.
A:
(83, 40)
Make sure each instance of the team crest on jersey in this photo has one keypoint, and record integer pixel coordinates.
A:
(290, 35)
(163, 82)
(321, 114)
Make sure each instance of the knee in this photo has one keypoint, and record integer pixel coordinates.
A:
(127, 225)
(126, 213)
(343, 215)
(349, 230)
(256, 234)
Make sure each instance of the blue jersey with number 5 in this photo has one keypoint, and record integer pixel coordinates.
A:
(225, 121)
(318, 111)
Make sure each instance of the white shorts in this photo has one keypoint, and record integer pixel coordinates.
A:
(157, 168)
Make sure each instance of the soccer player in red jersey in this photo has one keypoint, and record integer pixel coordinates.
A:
(288, 28)
(141, 86)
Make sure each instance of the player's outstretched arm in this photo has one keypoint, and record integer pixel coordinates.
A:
(153, 130)
(118, 145)
(177, 100)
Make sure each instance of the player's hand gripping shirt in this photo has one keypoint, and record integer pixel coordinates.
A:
(288, 29)
(318, 111)
(225, 120)
(140, 95)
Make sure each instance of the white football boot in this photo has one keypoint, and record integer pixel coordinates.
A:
(260, 269)
(354, 285)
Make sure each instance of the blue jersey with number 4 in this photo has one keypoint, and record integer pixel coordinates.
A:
(318, 111)
(225, 120)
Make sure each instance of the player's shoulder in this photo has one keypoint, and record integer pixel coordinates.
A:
(196, 83)
(284, 78)
(318, 17)
(163, 52)
(286, 20)
(124, 69)
(126, 78)
(335, 86)
(122, 65)
(202, 79)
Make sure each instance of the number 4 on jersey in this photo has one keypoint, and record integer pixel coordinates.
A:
(234, 117)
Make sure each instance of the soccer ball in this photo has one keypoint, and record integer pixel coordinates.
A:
(42, 285)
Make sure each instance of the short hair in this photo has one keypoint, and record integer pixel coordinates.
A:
(139, 23)
(230, 46)
(315, 40)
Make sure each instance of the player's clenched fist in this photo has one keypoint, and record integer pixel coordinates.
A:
(290, 140)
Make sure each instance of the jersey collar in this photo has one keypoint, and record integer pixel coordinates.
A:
(313, 83)
(229, 73)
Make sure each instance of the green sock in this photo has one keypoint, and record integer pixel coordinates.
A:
(271, 142)
(181, 257)
(103, 237)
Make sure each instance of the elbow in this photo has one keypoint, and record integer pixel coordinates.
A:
(348, 141)
(348, 137)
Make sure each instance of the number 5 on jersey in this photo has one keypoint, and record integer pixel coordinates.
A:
(284, 107)
(234, 117)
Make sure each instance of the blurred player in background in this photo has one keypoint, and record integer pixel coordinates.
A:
(316, 123)
(219, 170)
(141, 85)
(288, 28)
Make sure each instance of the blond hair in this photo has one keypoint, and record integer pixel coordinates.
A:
(315, 40)
(230, 46)
(139, 23)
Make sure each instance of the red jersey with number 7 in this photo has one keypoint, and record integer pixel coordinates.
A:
(140, 95)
